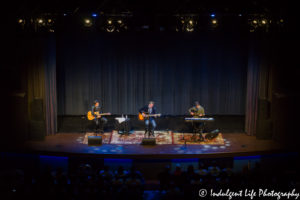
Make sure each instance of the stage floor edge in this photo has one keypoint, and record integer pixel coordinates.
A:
(236, 144)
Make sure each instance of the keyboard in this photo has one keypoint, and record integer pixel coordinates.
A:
(200, 119)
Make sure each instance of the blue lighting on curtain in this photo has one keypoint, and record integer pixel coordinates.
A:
(94, 15)
(212, 15)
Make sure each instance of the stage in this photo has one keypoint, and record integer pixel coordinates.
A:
(72, 144)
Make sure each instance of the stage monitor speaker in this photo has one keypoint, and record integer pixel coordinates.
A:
(212, 135)
(149, 141)
(94, 140)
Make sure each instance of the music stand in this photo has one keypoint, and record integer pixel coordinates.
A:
(122, 123)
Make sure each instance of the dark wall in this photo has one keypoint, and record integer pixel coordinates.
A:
(126, 71)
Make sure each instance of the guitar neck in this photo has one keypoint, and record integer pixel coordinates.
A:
(103, 114)
(153, 115)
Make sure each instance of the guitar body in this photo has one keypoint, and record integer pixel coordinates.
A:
(90, 116)
(141, 117)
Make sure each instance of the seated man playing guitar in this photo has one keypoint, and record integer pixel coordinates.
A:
(147, 113)
(97, 115)
(197, 111)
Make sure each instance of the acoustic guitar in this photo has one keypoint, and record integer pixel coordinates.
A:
(142, 118)
(90, 116)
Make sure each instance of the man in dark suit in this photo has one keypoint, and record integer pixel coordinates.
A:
(149, 121)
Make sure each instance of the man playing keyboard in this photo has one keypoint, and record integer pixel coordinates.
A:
(197, 111)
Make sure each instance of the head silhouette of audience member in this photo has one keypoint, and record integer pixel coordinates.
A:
(202, 170)
(177, 171)
(214, 170)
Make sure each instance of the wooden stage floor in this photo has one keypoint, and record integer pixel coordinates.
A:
(236, 144)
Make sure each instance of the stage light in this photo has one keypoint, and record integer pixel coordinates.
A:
(240, 15)
(212, 15)
(49, 20)
(214, 21)
(94, 15)
(189, 29)
(263, 21)
(119, 21)
(109, 21)
(40, 21)
(281, 20)
(87, 21)
(110, 29)
(254, 22)
(20, 21)
(191, 22)
(65, 14)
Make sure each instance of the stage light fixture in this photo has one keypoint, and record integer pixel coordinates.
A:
(21, 23)
(214, 21)
(110, 26)
(212, 15)
(94, 15)
(263, 21)
(240, 15)
(88, 22)
(189, 29)
(40, 21)
(281, 20)
(49, 20)
(186, 24)
(254, 21)
(110, 29)
(119, 21)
